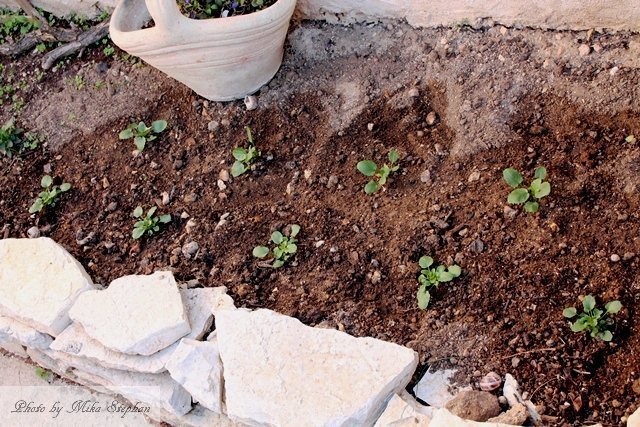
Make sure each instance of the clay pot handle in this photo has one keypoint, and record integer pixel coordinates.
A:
(165, 13)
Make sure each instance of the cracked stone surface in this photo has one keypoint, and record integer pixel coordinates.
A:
(196, 365)
(285, 373)
(12, 330)
(199, 305)
(39, 282)
(135, 314)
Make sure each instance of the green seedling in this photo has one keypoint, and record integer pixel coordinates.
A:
(592, 319)
(285, 247)
(244, 156)
(432, 277)
(78, 82)
(49, 195)
(143, 134)
(631, 139)
(379, 176)
(531, 196)
(9, 138)
(149, 224)
(44, 374)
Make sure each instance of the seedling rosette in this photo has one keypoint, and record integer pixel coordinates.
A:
(432, 277)
(593, 320)
(379, 176)
(142, 134)
(147, 224)
(50, 194)
(531, 196)
(285, 247)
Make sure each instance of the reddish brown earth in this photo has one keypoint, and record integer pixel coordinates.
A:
(519, 271)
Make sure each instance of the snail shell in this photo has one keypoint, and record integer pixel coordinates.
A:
(490, 382)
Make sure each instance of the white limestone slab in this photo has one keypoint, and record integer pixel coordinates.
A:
(39, 282)
(135, 314)
(278, 371)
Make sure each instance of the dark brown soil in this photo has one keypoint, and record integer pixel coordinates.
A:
(519, 271)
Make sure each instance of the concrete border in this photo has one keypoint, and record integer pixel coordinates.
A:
(548, 14)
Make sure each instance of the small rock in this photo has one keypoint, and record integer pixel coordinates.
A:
(474, 405)
(613, 71)
(516, 416)
(332, 182)
(251, 102)
(165, 198)
(190, 198)
(425, 177)
(224, 175)
(509, 212)
(319, 243)
(431, 118)
(490, 382)
(213, 126)
(615, 258)
(223, 220)
(225, 122)
(628, 256)
(475, 176)
(370, 127)
(515, 362)
(190, 249)
(477, 246)
(414, 92)
(584, 50)
(221, 185)
(112, 206)
(376, 277)
(33, 232)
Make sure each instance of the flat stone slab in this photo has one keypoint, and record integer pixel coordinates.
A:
(196, 365)
(135, 314)
(199, 306)
(278, 371)
(404, 410)
(12, 330)
(154, 389)
(39, 282)
(436, 388)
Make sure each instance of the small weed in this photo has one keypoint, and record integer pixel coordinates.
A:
(142, 134)
(631, 139)
(50, 194)
(244, 156)
(99, 85)
(77, 82)
(149, 224)
(41, 47)
(15, 25)
(380, 176)
(14, 141)
(592, 319)
(536, 191)
(44, 374)
(430, 277)
(285, 247)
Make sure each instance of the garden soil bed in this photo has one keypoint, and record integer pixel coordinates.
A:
(502, 98)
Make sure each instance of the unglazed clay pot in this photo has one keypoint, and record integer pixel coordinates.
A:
(219, 58)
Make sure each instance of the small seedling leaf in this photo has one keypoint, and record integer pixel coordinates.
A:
(36, 206)
(423, 298)
(237, 169)
(140, 142)
(445, 276)
(46, 181)
(65, 187)
(292, 248)
(367, 167)
(531, 207)
(518, 196)
(606, 336)
(512, 177)
(631, 139)
(579, 325)
(455, 270)
(164, 219)
(138, 212)
(260, 251)
(394, 156)
(543, 191)
(276, 237)
(589, 303)
(278, 263)
(141, 128)
(249, 135)
(569, 312)
(137, 233)
(151, 211)
(126, 134)
(613, 307)
(239, 153)
(425, 262)
(371, 187)
(159, 126)
(295, 229)
(541, 172)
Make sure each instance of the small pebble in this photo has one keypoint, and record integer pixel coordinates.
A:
(165, 198)
(431, 118)
(319, 243)
(425, 177)
(190, 249)
(251, 102)
(224, 175)
(615, 258)
(370, 127)
(414, 92)
(33, 232)
(475, 176)
(213, 126)
(376, 277)
(584, 50)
